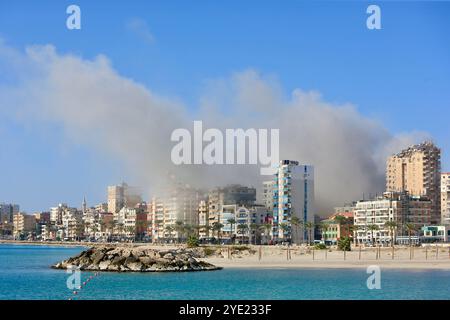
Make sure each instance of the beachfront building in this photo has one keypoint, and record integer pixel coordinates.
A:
(234, 194)
(445, 198)
(157, 210)
(416, 170)
(57, 213)
(332, 230)
(123, 195)
(72, 226)
(293, 196)
(398, 207)
(203, 218)
(178, 204)
(131, 223)
(247, 222)
(24, 225)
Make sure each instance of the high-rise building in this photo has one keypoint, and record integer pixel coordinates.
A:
(203, 217)
(293, 196)
(445, 198)
(122, 195)
(267, 194)
(417, 171)
(7, 212)
(179, 203)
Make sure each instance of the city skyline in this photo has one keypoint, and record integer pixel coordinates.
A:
(49, 161)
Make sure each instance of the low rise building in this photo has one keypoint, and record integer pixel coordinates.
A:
(433, 234)
(370, 216)
(334, 229)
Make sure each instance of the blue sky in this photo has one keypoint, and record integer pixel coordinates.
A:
(399, 75)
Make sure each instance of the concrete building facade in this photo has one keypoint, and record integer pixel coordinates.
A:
(398, 207)
(293, 196)
(445, 198)
(417, 171)
(122, 195)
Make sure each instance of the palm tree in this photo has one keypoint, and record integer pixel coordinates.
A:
(179, 228)
(169, 230)
(131, 230)
(232, 222)
(284, 227)
(188, 230)
(217, 226)
(410, 228)
(341, 221)
(110, 226)
(296, 222)
(242, 228)
(94, 229)
(372, 228)
(309, 226)
(392, 225)
(354, 230)
(120, 228)
(254, 227)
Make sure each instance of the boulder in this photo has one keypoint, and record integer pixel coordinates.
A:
(104, 265)
(136, 259)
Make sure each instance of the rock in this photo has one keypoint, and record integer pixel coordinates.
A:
(113, 267)
(147, 260)
(104, 265)
(136, 259)
(97, 257)
(118, 260)
(135, 266)
(169, 256)
(129, 260)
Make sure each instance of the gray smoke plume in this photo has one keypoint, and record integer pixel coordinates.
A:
(99, 108)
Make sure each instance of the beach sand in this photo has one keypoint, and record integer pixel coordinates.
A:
(276, 257)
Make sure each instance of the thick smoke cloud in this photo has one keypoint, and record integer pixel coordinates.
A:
(114, 115)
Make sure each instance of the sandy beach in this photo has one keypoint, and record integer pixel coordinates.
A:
(276, 257)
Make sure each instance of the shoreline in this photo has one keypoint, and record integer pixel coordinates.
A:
(394, 265)
(273, 257)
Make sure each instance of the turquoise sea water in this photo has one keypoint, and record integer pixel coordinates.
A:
(25, 274)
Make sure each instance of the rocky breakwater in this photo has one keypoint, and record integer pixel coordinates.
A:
(136, 259)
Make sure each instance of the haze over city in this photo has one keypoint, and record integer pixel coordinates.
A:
(80, 112)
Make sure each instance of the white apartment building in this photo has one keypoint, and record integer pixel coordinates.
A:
(267, 194)
(398, 207)
(57, 213)
(445, 198)
(293, 195)
(72, 225)
(242, 215)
